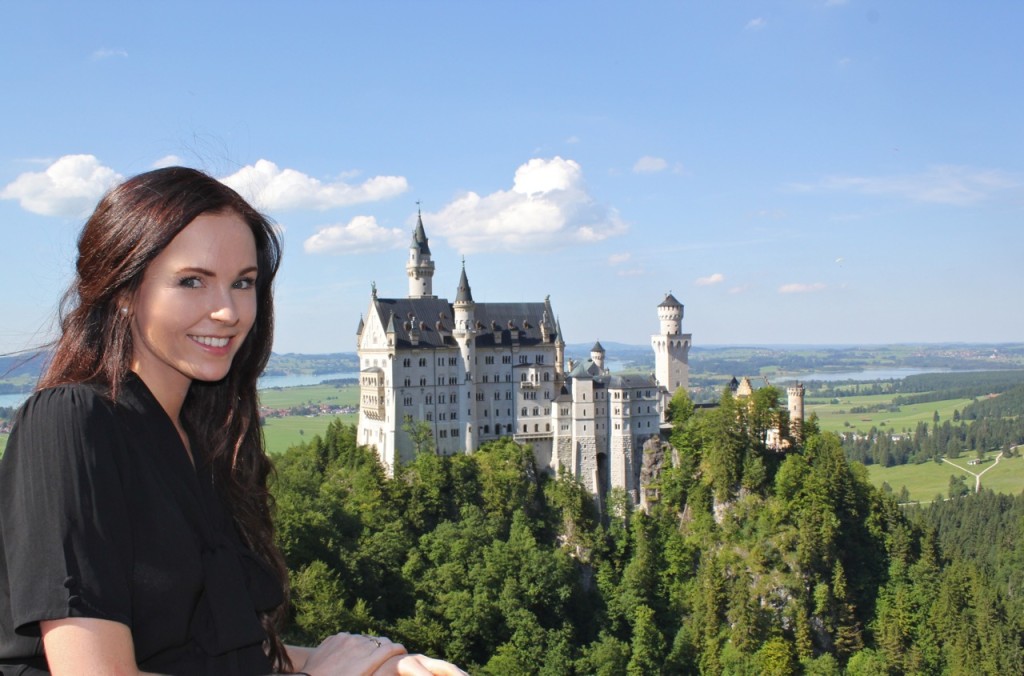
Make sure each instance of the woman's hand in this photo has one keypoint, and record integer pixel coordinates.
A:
(344, 654)
(418, 665)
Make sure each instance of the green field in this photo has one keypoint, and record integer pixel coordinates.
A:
(280, 434)
(838, 418)
(929, 479)
(287, 397)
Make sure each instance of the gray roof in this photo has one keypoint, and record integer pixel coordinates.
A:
(433, 318)
(670, 301)
(464, 294)
(419, 237)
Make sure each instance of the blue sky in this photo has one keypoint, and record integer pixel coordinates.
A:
(801, 171)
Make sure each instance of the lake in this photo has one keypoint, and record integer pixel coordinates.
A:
(866, 375)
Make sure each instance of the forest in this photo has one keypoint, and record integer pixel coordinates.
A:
(989, 423)
(750, 560)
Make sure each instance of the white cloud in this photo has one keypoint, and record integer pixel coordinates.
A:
(271, 188)
(69, 187)
(548, 206)
(801, 288)
(756, 24)
(168, 161)
(649, 165)
(573, 139)
(739, 289)
(619, 259)
(943, 184)
(716, 278)
(106, 53)
(361, 235)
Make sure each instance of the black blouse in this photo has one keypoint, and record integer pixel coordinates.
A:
(102, 515)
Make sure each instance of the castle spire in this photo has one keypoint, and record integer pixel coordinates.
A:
(420, 268)
(464, 294)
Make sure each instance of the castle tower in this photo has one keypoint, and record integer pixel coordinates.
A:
(671, 347)
(795, 394)
(597, 355)
(559, 349)
(420, 268)
(464, 334)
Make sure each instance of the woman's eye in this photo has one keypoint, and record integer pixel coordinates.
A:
(190, 282)
(246, 283)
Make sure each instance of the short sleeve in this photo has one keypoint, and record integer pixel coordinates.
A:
(64, 521)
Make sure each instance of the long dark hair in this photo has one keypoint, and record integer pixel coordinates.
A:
(131, 225)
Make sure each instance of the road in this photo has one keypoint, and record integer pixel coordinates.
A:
(976, 475)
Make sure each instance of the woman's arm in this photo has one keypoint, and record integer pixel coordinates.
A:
(86, 645)
(347, 654)
(298, 655)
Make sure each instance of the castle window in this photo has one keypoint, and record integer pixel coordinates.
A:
(451, 361)
(508, 377)
(430, 416)
(487, 429)
(423, 361)
(497, 396)
(536, 410)
(407, 401)
(407, 362)
(508, 395)
(423, 382)
(523, 359)
(523, 411)
(524, 429)
(486, 378)
(430, 399)
(536, 428)
(455, 432)
(489, 360)
(408, 382)
(479, 396)
(506, 359)
(522, 377)
(547, 376)
(547, 427)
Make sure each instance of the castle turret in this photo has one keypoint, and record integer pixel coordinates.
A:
(559, 349)
(420, 268)
(795, 394)
(671, 347)
(464, 333)
(597, 355)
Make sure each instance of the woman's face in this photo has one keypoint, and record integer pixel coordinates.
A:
(195, 306)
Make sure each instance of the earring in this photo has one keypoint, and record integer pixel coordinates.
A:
(124, 311)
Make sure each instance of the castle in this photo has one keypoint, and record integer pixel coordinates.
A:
(477, 371)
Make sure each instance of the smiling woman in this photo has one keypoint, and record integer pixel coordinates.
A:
(135, 528)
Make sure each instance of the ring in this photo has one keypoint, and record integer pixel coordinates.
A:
(375, 640)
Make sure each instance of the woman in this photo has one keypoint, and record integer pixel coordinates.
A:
(135, 529)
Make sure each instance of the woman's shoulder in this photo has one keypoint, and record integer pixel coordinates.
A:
(74, 404)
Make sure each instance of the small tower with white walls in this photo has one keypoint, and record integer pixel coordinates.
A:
(671, 347)
(795, 397)
(597, 356)
(464, 333)
(420, 268)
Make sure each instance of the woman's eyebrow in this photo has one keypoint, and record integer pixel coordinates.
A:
(210, 273)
